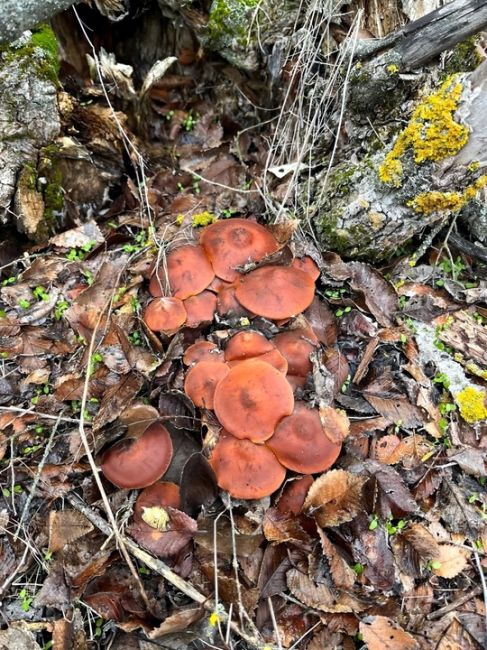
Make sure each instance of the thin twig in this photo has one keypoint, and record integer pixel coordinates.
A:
(37, 477)
(31, 411)
(158, 566)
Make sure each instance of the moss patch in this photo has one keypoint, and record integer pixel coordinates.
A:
(464, 57)
(229, 22)
(431, 135)
(49, 168)
(40, 53)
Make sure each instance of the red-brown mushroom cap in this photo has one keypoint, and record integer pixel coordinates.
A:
(276, 292)
(274, 358)
(218, 285)
(202, 380)
(202, 351)
(246, 345)
(308, 265)
(229, 306)
(301, 444)
(246, 470)
(137, 463)
(200, 309)
(161, 494)
(165, 315)
(187, 272)
(296, 347)
(294, 494)
(251, 399)
(236, 242)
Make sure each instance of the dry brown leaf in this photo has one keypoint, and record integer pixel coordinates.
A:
(335, 424)
(319, 596)
(343, 575)
(137, 418)
(382, 633)
(179, 621)
(335, 497)
(451, 561)
(116, 398)
(279, 527)
(66, 526)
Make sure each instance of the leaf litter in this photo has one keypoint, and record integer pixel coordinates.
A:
(335, 559)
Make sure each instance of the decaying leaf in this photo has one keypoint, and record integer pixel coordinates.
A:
(450, 561)
(179, 621)
(280, 527)
(392, 496)
(335, 497)
(66, 526)
(343, 575)
(335, 424)
(319, 596)
(382, 633)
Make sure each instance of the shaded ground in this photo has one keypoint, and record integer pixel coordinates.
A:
(386, 549)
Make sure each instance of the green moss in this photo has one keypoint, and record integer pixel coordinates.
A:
(228, 22)
(464, 57)
(40, 53)
(28, 178)
(340, 179)
(52, 190)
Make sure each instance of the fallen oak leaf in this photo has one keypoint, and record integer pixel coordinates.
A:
(450, 561)
(382, 633)
(335, 497)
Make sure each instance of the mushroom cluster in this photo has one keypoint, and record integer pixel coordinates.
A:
(250, 383)
(197, 281)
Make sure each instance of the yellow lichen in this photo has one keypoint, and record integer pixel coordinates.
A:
(180, 219)
(392, 68)
(472, 404)
(429, 202)
(432, 133)
(204, 219)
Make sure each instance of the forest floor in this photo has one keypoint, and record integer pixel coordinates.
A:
(387, 549)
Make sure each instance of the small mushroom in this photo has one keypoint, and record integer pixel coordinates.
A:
(165, 315)
(246, 470)
(296, 347)
(186, 272)
(202, 351)
(274, 358)
(246, 345)
(251, 399)
(228, 306)
(200, 309)
(275, 292)
(301, 444)
(161, 495)
(235, 242)
(139, 462)
(307, 265)
(202, 380)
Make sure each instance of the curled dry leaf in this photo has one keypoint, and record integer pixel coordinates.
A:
(335, 497)
(280, 528)
(335, 423)
(342, 574)
(450, 561)
(382, 633)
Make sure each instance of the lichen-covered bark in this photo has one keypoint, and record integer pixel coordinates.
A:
(18, 15)
(29, 120)
(433, 168)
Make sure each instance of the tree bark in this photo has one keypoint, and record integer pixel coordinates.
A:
(18, 15)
